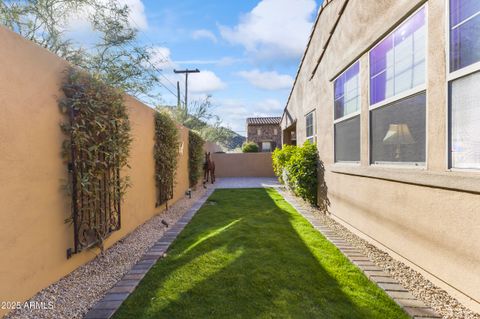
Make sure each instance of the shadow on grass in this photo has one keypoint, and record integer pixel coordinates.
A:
(251, 255)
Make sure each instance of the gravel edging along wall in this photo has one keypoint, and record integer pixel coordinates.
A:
(76, 293)
(114, 298)
(419, 297)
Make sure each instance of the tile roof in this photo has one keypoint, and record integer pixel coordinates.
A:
(264, 120)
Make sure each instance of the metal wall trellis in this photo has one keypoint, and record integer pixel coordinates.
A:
(165, 192)
(96, 206)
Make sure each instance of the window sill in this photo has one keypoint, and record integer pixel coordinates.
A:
(468, 182)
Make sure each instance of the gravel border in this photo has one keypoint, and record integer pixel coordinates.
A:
(423, 289)
(76, 293)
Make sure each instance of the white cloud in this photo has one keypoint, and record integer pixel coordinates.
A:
(274, 29)
(234, 113)
(138, 19)
(161, 58)
(204, 34)
(270, 106)
(199, 84)
(205, 82)
(225, 61)
(267, 80)
(79, 27)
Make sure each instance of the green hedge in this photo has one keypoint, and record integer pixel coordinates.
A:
(167, 143)
(301, 170)
(195, 157)
(249, 147)
(280, 159)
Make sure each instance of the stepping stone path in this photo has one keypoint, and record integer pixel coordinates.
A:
(412, 306)
(114, 298)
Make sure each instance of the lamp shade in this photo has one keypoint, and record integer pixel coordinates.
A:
(398, 134)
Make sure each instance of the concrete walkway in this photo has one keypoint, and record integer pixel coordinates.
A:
(246, 182)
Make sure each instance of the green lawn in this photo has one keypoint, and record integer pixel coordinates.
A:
(248, 254)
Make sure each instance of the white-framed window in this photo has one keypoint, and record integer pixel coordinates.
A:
(275, 131)
(464, 33)
(259, 131)
(310, 126)
(347, 115)
(266, 146)
(397, 94)
(464, 84)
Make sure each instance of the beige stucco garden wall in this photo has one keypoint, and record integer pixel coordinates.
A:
(429, 218)
(243, 164)
(33, 205)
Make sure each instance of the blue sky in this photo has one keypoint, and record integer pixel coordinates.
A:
(248, 51)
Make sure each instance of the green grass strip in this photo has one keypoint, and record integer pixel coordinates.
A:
(248, 254)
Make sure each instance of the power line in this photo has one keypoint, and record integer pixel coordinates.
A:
(161, 54)
(151, 64)
(186, 72)
(155, 68)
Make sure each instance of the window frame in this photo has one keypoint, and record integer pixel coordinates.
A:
(348, 116)
(269, 148)
(411, 92)
(312, 137)
(465, 70)
(450, 77)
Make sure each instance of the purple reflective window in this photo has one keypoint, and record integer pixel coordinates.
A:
(397, 63)
(461, 10)
(464, 33)
(346, 92)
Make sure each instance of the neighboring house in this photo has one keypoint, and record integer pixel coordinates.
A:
(389, 92)
(265, 131)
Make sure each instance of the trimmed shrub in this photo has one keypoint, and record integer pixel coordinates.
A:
(301, 170)
(195, 157)
(280, 158)
(249, 147)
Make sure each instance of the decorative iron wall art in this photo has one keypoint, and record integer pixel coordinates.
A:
(96, 148)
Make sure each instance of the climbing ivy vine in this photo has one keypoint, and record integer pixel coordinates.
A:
(195, 157)
(167, 143)
(96, 147)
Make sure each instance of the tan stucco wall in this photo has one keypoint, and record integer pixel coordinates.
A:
(33, 206)
(243, 165)
(428, 218)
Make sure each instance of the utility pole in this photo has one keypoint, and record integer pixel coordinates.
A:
(178, 94)
(186, 72)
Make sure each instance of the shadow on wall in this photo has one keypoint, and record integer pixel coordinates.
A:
(301, 170)
(323, 202)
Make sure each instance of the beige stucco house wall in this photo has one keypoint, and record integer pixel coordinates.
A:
(427, 217)
(33, 205)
